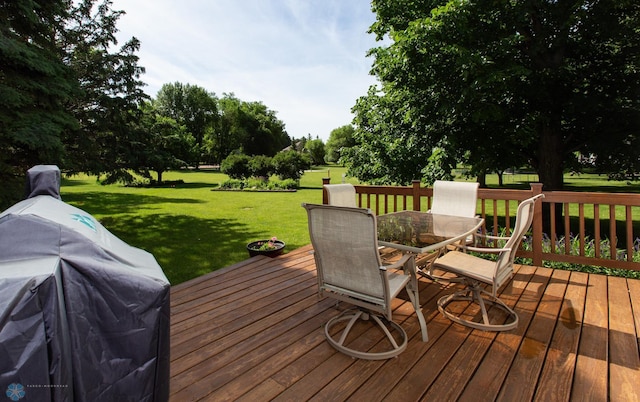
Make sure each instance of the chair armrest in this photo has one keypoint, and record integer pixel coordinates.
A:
(486, 249)
(400, 263)
(491, 237)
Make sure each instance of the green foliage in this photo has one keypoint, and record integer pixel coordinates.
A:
(434, 169)
(604, 249)
(261, 166)
(35, 88)
(259, 184)
(340, 139)
(316, 151)
(110, 89)
(163, 145)
(249, 127)
(288, 184)
(498, 85)
(264, 132)
(291, 164)
(236, 166)
(191, 106)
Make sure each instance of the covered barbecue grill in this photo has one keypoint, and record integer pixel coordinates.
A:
(83, 315)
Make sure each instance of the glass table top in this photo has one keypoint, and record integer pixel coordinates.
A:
(421, 232)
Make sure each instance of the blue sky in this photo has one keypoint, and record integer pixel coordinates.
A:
(304, 59)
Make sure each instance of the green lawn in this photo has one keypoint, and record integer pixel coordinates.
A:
(192, 230)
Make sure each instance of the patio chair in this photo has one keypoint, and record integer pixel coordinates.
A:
(449, 198)
(475, 272)
(455, 198)
(350, 270)
(341, 195)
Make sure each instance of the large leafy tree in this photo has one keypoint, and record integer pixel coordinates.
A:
(164, 144)
(340, 139)
(316, 150)
(232, 128)
(498, 84)
(249, 127)
(192, 106)
(265, 133)
(35, 87)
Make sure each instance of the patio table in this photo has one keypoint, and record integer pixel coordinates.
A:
(423, 232)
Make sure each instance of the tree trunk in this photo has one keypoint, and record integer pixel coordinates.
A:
(550, 173)
(550, 158)
(482, 179)
(159, 176)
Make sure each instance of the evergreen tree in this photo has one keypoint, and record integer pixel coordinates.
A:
(111, 90)
(35, 89)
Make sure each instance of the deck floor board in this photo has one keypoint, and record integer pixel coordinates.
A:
(254, 331)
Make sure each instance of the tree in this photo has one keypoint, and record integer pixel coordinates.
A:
(110, 88)
(35, 88)
(340, 139)
(229, 134)
(191, 106)
(247, 127)
(500, 84)
(316, 151)
(265, 133)
(165, 144)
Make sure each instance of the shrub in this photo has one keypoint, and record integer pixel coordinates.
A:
(261, 166)
(258, 184)
(288, 184)
(236, 166)
(290, 165)
(574, 249)
(232, 184)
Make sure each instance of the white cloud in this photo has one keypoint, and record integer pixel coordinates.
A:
(304, 59)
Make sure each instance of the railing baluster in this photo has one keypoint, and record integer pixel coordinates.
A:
(629, 224)
(581, 231)
(567, 229)
(613, 238)
(495, 218)
(596, 229)
(507, 218)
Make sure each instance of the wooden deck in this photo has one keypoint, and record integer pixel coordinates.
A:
(253, 332)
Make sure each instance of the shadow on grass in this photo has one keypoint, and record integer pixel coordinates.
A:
(114, 203)
(70, 182)
(185, 247)
(193, 185)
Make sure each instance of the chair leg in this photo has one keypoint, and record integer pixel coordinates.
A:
(352, 316)
(474, 294)
(414, 297)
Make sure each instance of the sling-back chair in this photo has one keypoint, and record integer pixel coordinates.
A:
(350, 270)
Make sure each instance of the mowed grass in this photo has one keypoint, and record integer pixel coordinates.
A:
(191, 229)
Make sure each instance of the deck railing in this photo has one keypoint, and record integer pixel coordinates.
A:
(598, 227)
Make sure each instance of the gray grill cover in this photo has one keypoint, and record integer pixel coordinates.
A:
(83, 315)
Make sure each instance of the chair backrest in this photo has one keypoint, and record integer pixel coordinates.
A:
(341, 195)
(345, 244)
(455, 198)
(524, 217)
